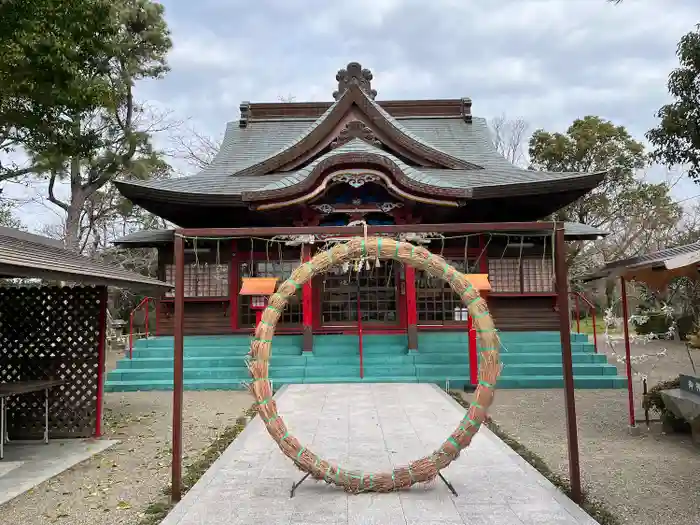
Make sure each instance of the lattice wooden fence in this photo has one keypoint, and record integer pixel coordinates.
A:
(51, 333)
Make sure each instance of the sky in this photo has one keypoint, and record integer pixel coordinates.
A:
(545, 61)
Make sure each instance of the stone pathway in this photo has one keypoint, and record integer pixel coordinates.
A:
(29, 463)
(373, 427)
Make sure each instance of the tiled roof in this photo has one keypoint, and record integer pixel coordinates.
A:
(652, 259)
(27, 255)
(469, 142)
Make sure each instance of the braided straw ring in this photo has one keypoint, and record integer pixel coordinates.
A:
(422, 470)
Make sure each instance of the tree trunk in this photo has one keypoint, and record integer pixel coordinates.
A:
(72, 229)
(610, 293)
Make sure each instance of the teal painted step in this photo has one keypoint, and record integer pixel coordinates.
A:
(550, 369)
(357, 379)
(206, 362)
(599, 381)
(428, 347)
(208, 351)
(506, 337)
(238, 373)
(531, 360)
(190, 384)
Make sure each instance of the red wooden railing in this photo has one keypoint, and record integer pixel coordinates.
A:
(147, 302)
(580, 298)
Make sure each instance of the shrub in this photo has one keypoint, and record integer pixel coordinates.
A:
(658, 323)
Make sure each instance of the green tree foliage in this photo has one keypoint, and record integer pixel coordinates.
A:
(7, 217)
(638, 214)
(53, 58)
(110, 137)
(676, 140)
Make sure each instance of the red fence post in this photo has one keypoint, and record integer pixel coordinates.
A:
(148, 307)
(131, 335)
(157, 302)
(628, 358)
(359, 328)
(101, 358)
(578, 315)
(595, 332)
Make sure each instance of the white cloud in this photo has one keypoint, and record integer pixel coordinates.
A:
(549, 61)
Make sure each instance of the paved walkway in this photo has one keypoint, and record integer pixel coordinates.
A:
(373, 427)
(29, 463)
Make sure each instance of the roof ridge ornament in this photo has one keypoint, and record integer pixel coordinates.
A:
(355, 129)
(354, 75)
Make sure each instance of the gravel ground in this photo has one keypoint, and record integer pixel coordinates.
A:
(650, 479)
(116, 486)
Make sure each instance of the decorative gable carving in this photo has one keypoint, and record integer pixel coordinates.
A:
(355, 129)
(353, 74)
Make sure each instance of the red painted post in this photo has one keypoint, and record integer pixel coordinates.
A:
(307, 306)
(178, 368)
(578, 315)
(101, 359)
(473, 354)
(157, 301)
(411, 307)
(359, 328)
(131, 335)
(628, 360)
(233, 286)
(595, 332)
(148, 307)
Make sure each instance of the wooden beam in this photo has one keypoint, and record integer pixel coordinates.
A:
(178, 372)
(343, 231)
(562, 280)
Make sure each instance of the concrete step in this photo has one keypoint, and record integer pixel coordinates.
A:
(587, 382)
(205, 362)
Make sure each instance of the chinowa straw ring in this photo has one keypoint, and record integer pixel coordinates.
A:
(420, 471)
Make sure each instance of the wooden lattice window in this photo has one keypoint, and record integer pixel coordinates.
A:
(292, 314)
(377, 295)
(201, 280)
(521, 275)
(504, 275)
(538, 275)
(435, 300)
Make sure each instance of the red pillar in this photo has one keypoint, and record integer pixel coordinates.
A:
(473, 353)
(411, 308)
(628, 360)
(307, 305)
(178, 372)
(233, 284)
(101, 358)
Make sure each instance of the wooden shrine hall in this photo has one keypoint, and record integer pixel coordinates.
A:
(359, 160)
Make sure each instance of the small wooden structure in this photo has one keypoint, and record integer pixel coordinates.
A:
(656, 270)
(55, 333)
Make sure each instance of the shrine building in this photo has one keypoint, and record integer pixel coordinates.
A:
(358, 159)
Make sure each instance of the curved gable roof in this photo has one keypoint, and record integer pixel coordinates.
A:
(320, 129)
(354, 151)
